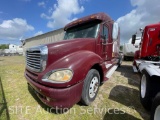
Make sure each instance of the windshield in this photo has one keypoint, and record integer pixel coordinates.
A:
(89, 30)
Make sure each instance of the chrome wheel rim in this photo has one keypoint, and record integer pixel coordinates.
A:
(157, 113)
(93, 87)
(143, 86)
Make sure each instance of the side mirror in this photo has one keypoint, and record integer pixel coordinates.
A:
(115, 31)
(133, 39)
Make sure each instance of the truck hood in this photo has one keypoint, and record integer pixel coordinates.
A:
(63, 48)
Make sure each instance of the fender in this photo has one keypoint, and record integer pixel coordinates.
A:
(79, 62)
(153, 70)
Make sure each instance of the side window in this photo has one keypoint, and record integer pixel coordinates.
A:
(105, 32)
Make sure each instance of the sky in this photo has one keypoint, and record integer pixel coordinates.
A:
(21, 19)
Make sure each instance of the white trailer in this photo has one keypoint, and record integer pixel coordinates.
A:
(13, 50)
(129, 49)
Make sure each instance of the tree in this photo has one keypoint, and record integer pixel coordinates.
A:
(4, 46)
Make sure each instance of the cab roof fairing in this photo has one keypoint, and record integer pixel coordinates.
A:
(98, 16)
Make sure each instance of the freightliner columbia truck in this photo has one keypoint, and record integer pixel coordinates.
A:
(71, 70)
(147, 62)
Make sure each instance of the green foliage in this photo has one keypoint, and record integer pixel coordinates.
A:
(4, 46)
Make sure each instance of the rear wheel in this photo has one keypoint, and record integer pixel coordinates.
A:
(155, 112)
(145, 91)
(90, 87)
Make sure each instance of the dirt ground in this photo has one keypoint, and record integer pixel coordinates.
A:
(124, 91)
(117, 99)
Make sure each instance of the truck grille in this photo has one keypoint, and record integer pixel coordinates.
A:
(36, 58)
(33, 59)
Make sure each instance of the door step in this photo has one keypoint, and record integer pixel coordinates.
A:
(108, 65)
(111, 71)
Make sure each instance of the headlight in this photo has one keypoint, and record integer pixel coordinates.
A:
(59, 76)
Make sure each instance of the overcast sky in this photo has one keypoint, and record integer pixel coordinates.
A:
(20, 19)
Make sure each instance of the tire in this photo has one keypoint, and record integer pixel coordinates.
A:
(90, 87)
(155, 111)
(145, 91)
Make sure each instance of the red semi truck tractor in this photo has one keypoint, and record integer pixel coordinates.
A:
(71, 70)
(147, 62)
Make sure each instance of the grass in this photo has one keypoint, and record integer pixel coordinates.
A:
(118, 98)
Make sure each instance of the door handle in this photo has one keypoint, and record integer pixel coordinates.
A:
(104, 43)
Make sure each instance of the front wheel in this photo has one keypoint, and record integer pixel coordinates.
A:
(155, 112)
(90, 87)
(145, 91)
